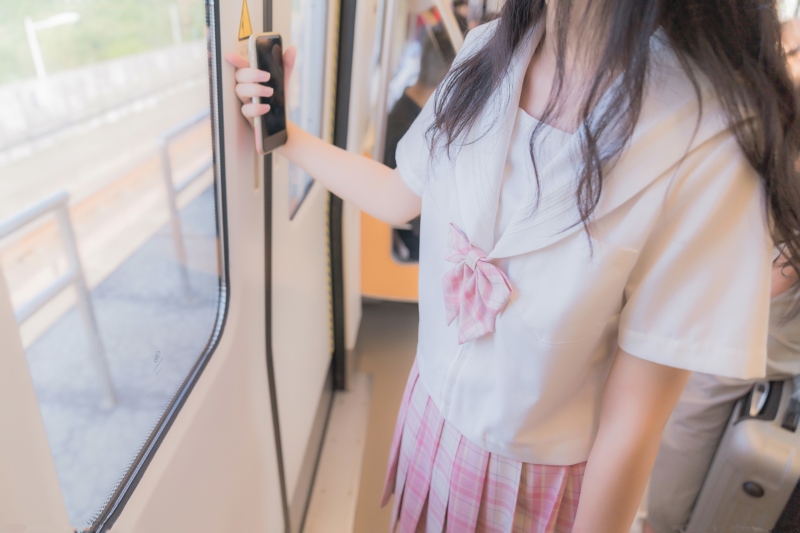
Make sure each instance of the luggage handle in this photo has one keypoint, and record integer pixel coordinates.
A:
(792, 416)
(758, 398)
(764, 402)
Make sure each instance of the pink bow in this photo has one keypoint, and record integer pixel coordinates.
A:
(475, 290)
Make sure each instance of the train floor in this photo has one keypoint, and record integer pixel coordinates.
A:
(386, 347)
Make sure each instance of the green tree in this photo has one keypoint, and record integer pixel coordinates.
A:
(107, 29)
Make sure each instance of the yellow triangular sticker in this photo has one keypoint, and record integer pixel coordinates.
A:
(245, 29)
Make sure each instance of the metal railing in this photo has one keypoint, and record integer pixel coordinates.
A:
(388, 41)
(174, 189)
(450, 22)
(382, 111)
(57, 204)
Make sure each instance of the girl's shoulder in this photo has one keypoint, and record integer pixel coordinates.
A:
(674, 78)
(675, 86)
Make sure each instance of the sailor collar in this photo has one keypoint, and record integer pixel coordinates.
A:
(668, 127)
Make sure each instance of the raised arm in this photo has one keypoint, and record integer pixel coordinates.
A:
(373, 187)
(638, 399)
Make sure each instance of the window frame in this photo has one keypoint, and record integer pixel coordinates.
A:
(116, 502)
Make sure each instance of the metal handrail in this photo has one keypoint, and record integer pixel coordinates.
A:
(382, 111)
(178, 129)
(26, 216)
(475, 9)
(450, 22)
(58, 205)
(173, 189)
(453, 32)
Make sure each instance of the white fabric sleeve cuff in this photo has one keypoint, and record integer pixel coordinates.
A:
(708, 358)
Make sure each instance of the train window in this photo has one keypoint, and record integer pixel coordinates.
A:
(108, 220)
(306, 91)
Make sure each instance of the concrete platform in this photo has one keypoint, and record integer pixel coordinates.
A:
(153, 331)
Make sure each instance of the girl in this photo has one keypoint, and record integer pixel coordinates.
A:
(601, 183)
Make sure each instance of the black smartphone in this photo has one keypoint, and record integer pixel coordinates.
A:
(266, 53)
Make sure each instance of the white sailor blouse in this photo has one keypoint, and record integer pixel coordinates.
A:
(517, 333)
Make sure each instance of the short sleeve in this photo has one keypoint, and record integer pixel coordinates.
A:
(414, 151)
(698, 296)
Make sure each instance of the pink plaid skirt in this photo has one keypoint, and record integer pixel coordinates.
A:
(443, 482)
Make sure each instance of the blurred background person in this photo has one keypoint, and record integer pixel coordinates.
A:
(435, 60)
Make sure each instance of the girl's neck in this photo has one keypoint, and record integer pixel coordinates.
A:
(542, 73)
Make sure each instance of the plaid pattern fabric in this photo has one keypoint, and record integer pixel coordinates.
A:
(444, 483)
(391, 473)
(548, 498)
(498, 505)
(475, 290)
(466, 487)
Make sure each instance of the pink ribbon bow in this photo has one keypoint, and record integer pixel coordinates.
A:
(475, 290)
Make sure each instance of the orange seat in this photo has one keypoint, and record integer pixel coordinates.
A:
(382, 276)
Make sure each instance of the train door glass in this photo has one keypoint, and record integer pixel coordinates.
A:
(309, 20)
(108, 220)
(417, 54)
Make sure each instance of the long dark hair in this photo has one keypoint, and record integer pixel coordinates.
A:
(735, 43)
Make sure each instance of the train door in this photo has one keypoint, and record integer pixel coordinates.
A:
(301, 297)
(165, 304)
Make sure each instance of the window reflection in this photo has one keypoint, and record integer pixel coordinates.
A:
(105, 154)
(306, 91)
(424, 59)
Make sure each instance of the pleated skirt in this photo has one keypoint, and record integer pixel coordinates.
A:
(444, 483)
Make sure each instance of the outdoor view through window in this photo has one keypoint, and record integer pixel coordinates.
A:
(108, 225)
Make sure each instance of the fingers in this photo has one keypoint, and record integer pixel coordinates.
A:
(248, 84)
(251, 75)
(237, 61)
(289, 57)
(252, 110)
(247, 91)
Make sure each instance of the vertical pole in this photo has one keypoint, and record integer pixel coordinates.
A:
(445, 8)
(385, 77)
(174, 214)
(475, 12)
(36, 52)
(342, 360)
(29, 483)
(85, 307)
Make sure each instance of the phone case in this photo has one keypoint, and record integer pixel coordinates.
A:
(257, 126)
(756, 467)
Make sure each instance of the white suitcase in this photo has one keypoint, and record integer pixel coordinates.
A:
(756, 467)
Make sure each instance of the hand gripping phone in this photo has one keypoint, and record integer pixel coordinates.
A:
(266, 53)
